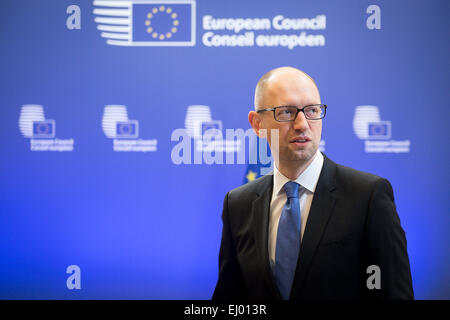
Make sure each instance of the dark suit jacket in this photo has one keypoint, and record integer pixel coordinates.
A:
(352, 224)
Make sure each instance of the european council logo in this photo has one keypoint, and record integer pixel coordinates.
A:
(32, 122)
(125, 132)
(41, 131)
(376, 133)
(116, 125)
(368, 125)
(146, 22)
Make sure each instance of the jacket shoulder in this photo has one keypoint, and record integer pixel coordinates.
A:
(353, 180)
(355, 175)
(250, 189)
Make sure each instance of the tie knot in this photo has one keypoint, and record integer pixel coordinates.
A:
(291, 189)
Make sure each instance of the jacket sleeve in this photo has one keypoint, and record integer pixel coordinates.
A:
(385, 246)
(230, 284)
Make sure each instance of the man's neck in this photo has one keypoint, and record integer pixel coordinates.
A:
(293, 169)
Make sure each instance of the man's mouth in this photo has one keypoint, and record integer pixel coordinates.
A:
(300, 140)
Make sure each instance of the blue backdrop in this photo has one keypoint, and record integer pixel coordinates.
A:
(77, 191)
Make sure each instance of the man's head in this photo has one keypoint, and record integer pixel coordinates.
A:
(298, 139)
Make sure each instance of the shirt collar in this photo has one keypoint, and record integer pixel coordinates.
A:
(307, 179)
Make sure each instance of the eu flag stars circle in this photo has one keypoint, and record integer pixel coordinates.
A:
(169, 12)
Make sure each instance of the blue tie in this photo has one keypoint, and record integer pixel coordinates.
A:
(288, 240)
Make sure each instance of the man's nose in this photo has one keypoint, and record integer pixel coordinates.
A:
(300, 123)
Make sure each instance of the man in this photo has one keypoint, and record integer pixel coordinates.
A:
(313, 229)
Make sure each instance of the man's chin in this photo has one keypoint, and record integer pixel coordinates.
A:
(301, 155)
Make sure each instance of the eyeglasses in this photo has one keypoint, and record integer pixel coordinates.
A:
(289, 113)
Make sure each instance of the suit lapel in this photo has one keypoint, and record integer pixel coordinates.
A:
(319, 214)
(261, 214)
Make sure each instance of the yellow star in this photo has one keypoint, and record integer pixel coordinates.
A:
(251, 176)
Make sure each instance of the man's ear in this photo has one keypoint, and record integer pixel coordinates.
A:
(255, 121)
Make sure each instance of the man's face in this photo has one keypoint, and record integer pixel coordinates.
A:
(299, 139)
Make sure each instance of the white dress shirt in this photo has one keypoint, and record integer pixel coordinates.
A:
(307, 181)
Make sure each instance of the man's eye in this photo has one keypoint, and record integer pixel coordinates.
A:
(282, 112)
